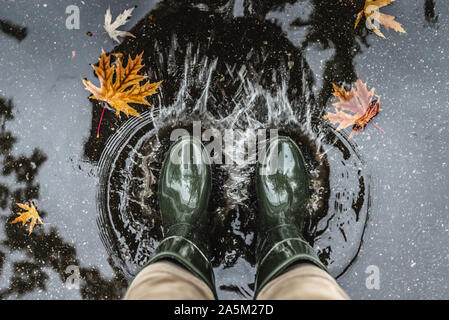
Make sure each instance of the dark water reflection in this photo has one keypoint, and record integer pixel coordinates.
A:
(49, 150)
(214, 30)
(173, 38)
(429, 12)
(13, 30)
(42, 249)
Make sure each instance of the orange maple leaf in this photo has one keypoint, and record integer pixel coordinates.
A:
(371, 12)
(30, 213)
(355, 108)
(121, 85)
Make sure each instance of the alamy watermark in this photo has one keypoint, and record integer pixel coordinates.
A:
(73, 280)
(73, 20)
(372, 15)
(230, 147)
(372, 281)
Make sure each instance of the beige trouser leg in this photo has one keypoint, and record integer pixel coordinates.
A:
(165, 280)
(303, 282)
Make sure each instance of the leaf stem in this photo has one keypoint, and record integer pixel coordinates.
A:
(90, 34)
(377, 126)
(40, 204)
(101, 118)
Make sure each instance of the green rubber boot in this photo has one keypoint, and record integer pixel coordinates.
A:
(282, 186)
(184, 190)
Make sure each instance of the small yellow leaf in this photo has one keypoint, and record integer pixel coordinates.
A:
(371, 12)
(29, 214)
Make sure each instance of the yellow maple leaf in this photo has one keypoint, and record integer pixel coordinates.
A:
(121, 85)
(371, 12)
(29, 214)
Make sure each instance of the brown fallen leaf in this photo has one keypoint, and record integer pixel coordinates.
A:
(29, 214)
(126, 88)
(371, 12)
(355, 108)
(121, 85)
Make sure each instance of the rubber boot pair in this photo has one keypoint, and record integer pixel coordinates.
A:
(282, 192)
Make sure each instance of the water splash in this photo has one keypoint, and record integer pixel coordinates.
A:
(129, 168)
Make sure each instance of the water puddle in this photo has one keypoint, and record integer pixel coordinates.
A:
(128, 213)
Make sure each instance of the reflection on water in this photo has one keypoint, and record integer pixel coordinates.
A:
(429, 12)
(13, 30)
(331, 25)
(250, 40)
(41, 250)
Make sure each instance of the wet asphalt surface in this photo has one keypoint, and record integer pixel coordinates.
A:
(49, 150)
